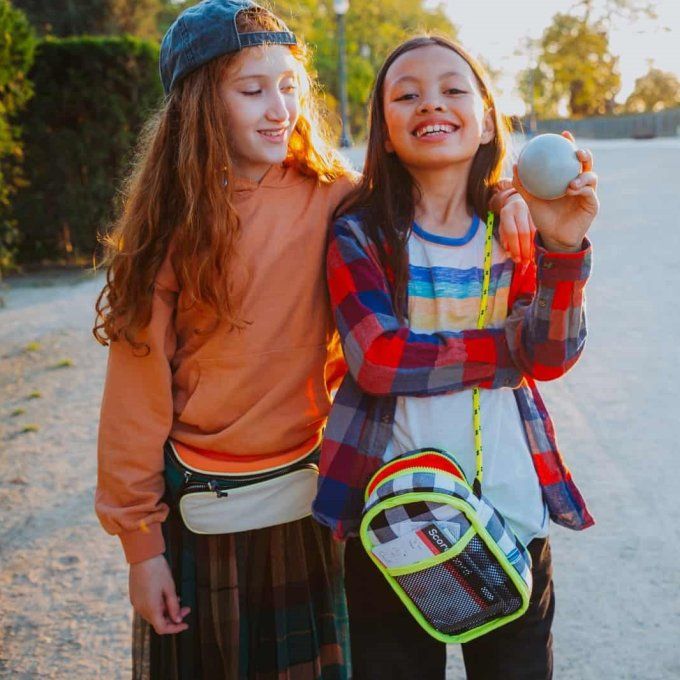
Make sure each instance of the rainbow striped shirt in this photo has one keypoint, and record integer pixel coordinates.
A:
(445, 279)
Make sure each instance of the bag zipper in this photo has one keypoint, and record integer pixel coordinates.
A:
(222, 488)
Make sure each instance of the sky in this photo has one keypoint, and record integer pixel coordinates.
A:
(495, 29)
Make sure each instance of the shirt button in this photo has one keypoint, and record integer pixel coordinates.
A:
(542, 303)
(548, 264)
(385, 418)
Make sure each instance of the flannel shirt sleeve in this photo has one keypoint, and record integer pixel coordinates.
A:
(383, 355)
(546, 325)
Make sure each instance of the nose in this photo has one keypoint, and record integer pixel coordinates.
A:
(429, 104)
(277, 111)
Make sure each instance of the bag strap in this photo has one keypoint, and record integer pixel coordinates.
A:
(481, 321)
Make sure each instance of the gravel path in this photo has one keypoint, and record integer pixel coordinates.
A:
(63, 581)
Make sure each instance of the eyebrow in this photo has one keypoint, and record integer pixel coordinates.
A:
(262, 75)
(448, 74)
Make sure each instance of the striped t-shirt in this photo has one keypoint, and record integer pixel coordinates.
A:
(445, 278)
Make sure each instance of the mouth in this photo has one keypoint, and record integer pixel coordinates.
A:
(434, 130)
(274, 134)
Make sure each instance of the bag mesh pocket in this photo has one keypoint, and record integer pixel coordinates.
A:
(464, 592)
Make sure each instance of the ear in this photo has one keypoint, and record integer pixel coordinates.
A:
(488, 127)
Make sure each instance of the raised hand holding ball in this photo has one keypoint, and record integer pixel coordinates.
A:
(563, 220)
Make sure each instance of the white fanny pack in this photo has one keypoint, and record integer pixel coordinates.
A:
(216, 503)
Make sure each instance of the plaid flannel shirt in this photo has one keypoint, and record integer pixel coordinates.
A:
(543, 337)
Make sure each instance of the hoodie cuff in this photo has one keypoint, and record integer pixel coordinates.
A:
(143, 545)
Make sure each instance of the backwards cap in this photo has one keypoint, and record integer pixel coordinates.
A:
(208, 30)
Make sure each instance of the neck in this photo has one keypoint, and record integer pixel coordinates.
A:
(250, 173)
(443, 208)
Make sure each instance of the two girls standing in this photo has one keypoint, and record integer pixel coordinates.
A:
(221, 339)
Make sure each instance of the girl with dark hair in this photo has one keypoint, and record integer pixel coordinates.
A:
(404, 267)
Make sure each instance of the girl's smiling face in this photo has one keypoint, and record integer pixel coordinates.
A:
(261, 97)
(434, 112)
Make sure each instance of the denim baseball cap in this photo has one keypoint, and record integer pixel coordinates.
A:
(208, 30)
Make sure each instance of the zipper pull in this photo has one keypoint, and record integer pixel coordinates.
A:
(214, 486)
(187, 476)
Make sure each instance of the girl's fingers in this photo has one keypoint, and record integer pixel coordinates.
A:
(172, 604)
(586, 158)
(517, 183)
(585, 179)
(503, 184)
(588, 199)
(168, 619)
(512, 239)
(499, 198)
(568, 135)
(527, 236)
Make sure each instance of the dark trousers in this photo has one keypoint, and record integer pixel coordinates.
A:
(387, 642)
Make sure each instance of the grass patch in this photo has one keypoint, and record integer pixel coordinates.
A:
(32, 347)
(36, 394)
(64, 363)
(17, 412)
(31, 427)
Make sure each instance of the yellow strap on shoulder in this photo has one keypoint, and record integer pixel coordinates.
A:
(481, 321)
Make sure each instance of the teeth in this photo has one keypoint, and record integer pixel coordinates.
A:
(429, 129)
(272, 133)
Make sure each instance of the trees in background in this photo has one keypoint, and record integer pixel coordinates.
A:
(575, 68)
(92, 95)
(94, 17)
(17, 44)
(654, 91)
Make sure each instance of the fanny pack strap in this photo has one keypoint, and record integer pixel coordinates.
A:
(481, 321)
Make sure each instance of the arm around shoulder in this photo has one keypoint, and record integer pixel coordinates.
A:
(383, 355)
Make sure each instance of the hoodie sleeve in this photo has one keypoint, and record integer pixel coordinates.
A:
(136, 419)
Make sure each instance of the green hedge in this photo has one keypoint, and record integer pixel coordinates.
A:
(17, 43)
(92, 96)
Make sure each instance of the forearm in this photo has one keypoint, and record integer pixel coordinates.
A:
(383, 354)
(404, 363)
(546, 329)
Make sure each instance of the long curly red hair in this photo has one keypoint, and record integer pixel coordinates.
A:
(176, 193)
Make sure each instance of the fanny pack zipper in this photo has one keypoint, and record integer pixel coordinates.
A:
(222, 488)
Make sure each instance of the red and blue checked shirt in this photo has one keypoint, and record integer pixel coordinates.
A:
(543, 337)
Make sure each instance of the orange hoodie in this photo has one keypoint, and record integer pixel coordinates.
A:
(258, 395)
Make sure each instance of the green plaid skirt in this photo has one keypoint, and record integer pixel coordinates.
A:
(265, 604)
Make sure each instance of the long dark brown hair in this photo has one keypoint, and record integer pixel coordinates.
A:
(176, 194)
(387, 194)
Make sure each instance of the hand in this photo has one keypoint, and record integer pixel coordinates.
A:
(564, 222)
(153, 596)
(516, 228)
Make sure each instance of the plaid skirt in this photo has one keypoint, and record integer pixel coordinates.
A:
(265, 604)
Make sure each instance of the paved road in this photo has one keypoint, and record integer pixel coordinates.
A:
(618, 615)
(617, 584)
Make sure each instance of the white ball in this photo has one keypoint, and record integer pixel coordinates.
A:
(547, 164)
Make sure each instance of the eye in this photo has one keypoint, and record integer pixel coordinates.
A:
(405, 97)
(289, 89)
(454, 90)
(250, 93)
